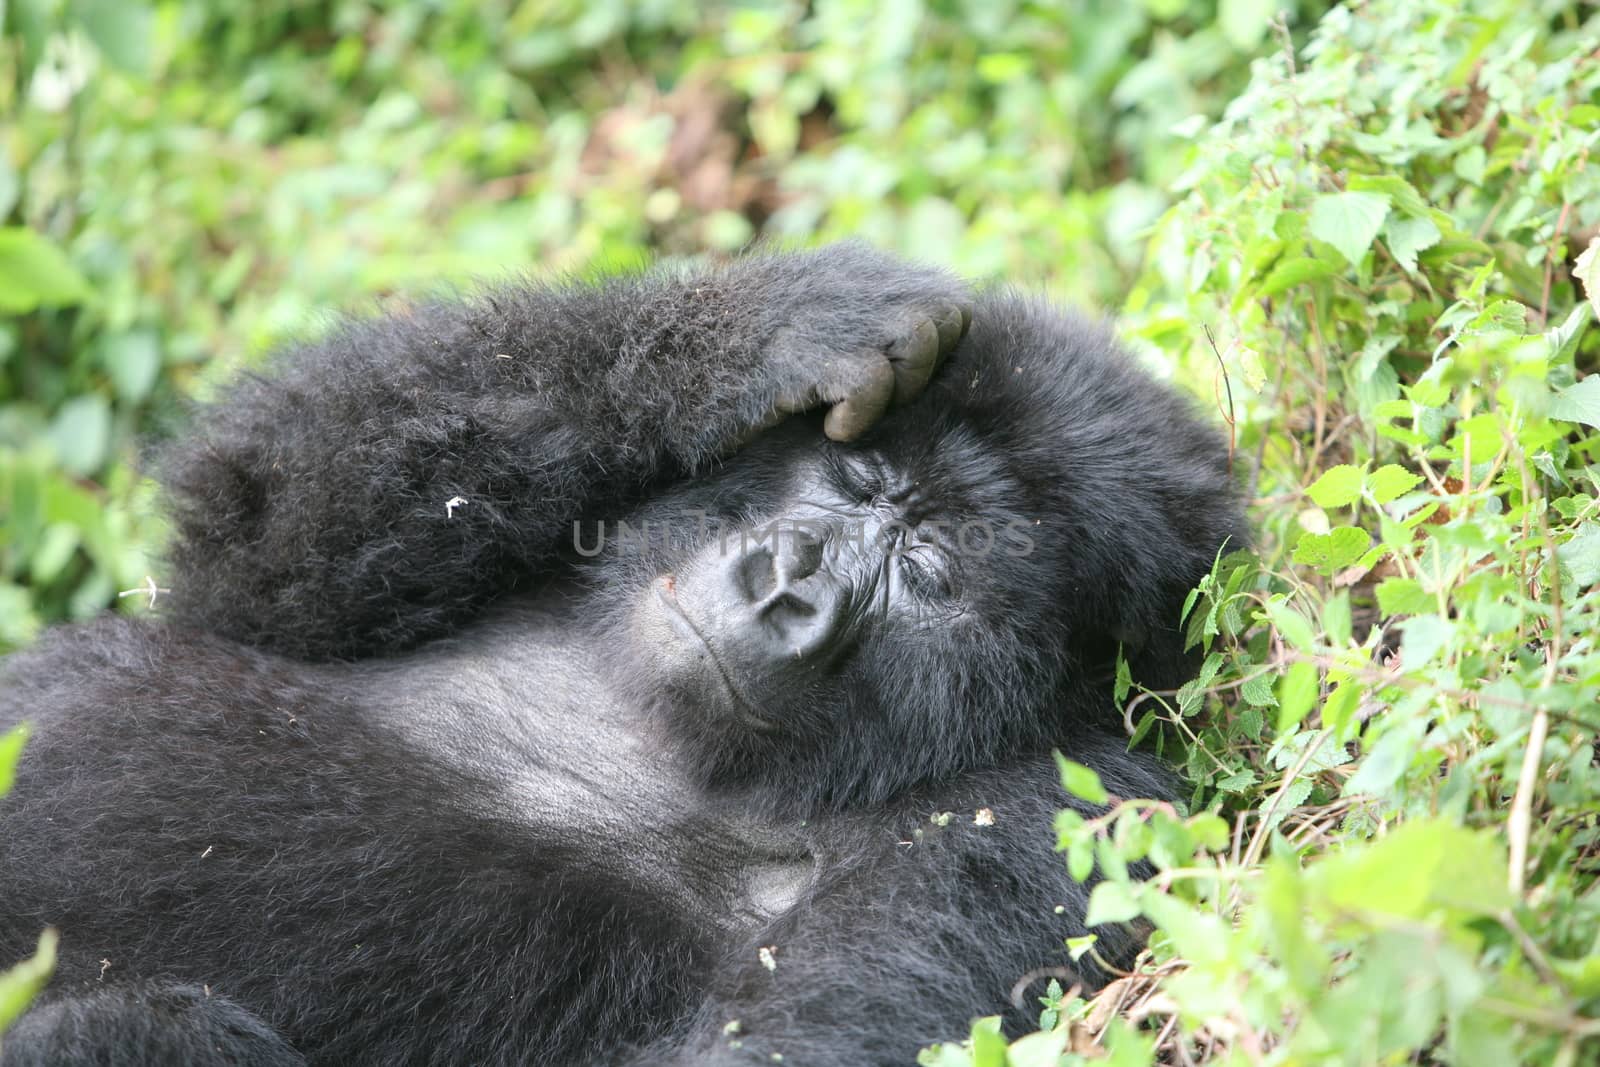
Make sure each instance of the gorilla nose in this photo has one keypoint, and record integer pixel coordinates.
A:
(787, 607)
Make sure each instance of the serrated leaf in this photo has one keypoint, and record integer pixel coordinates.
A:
(1337, 487)
(1258, 691)
(1294, 795)
(1401, 193)
(1349, 221)
(1334, 550)
(1408, 236)
(1238, 781)
(1391, 482)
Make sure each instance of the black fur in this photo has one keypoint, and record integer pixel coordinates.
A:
(404, 777)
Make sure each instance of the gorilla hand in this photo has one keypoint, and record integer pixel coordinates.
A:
(865, 334)
(859, 387)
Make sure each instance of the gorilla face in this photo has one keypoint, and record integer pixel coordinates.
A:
(813, 605)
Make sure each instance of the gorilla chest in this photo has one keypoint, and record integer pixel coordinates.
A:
(559, 764)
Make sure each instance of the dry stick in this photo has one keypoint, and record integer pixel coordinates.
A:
(1556, 240)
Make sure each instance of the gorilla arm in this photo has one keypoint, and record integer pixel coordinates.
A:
(377, 487)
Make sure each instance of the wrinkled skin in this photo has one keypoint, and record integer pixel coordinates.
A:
(557, 677)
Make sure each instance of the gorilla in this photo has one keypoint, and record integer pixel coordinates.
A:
(662, 669)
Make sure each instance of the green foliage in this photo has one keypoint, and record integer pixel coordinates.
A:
(185, 183)
(1399, 719)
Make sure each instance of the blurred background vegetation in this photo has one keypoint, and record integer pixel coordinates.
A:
(186, 184)
(1365, 234)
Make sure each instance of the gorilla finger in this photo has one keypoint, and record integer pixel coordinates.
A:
(914, 358)
(855, 414)
(952, 323)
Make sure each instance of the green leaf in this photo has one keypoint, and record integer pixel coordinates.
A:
(1401, 193)
(1582, 975)
(1298, 270)
(1080, 860)
(1425, 635)
(1563, 339)
(1292, 625)
(1404, 596)
(1390, 482)
(35, 273)
(988, 1043)
(81, 433)
(1579, 402)
(11, 743)
(22, 983)
(1581, 554)
(1587, 270)
(1257, 691)
(1080, 781)
(1112, 902)
(1038, 1050)
(1337, 709)
(1407, 237)
(1334, 550)
(120, 29)
(1423, 865)
(997, 68)
(1297, 693)
(1337, 487)
(1336, 619)
(1244, 22)
(133, 361)
(1349, 221)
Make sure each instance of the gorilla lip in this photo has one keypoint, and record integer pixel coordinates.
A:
(665, 589)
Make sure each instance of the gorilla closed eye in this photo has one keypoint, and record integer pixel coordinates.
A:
(417, 781)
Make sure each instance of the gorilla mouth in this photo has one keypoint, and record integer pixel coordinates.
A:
(665, 588)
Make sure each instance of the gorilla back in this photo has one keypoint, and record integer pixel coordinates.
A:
(561, 676)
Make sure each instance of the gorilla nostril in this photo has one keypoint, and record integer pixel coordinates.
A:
(756, 574)
(803, 557)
